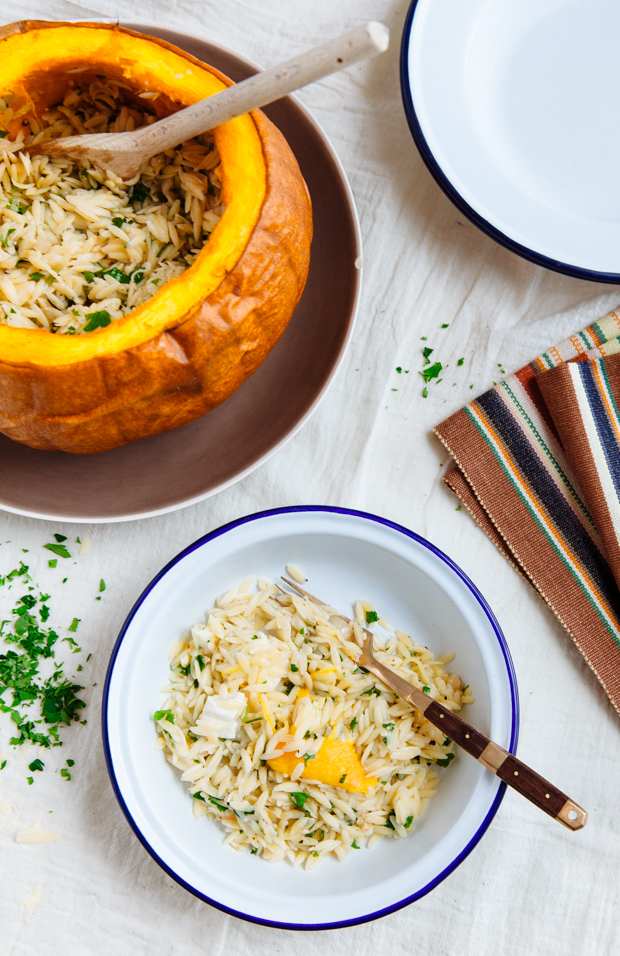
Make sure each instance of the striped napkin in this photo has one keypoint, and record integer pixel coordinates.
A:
(537, 463)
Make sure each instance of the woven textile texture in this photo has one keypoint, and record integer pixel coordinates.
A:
(537, 463)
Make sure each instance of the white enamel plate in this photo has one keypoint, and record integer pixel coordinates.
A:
(346, 555)
(513, 105)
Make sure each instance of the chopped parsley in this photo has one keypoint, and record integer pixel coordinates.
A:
(460, 361)
(74, 624)
(426, 689)
(427, 352)
(371, 617)
(102, 585)
(140, 192)
(355, 845)
(119, 220)
(58, 549)
(65, 773)
(294, 667)
(36, 276)
(444, 762)
(21, 683)
(164, 715)
(61, 537)
(98, 320)
(218, 803)
(370, 691)
(16, 206)
(343, 778)
(299, 798)
(353, 724)
(431, 372)
(117, 274)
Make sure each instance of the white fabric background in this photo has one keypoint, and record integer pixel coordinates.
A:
(530, 887)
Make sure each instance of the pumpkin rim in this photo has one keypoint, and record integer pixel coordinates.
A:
(244, 183)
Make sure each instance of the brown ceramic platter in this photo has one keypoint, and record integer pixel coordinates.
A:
(188, 464)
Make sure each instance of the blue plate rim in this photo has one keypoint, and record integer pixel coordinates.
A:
(514, 698)
(455, 197)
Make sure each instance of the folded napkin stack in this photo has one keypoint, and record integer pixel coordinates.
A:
(537, 463)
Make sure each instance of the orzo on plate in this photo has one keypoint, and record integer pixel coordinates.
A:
(283, 740)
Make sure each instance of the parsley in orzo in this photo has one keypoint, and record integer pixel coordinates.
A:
(299, 798)
(164, 715)
(97, 320)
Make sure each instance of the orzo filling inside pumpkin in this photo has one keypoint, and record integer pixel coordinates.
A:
(78, 249)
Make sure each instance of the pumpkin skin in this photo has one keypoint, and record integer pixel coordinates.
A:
(188, 348)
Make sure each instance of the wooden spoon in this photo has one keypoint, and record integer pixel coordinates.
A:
(125, 153)
(512, 771)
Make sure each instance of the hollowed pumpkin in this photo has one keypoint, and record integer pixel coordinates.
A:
(188, 348)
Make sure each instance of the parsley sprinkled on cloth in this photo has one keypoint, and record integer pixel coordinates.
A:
(34, 689)
(58, 549)
(431, 372)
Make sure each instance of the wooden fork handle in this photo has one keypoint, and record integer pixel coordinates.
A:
(505, 765)
(508, 768)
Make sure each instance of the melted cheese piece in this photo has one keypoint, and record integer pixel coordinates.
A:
(336, 764)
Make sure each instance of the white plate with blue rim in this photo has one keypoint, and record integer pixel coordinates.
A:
(346, 555)
(513, 106)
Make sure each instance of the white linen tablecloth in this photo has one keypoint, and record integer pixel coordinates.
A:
(530, 887)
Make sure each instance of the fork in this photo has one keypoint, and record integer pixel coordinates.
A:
(505, 765)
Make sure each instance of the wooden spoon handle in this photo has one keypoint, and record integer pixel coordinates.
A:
(265, 87)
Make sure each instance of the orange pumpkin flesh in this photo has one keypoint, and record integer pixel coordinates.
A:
(203, 333)
(336, 764)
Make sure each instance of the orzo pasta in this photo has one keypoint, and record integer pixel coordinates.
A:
(283, 740)
(79, 248)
